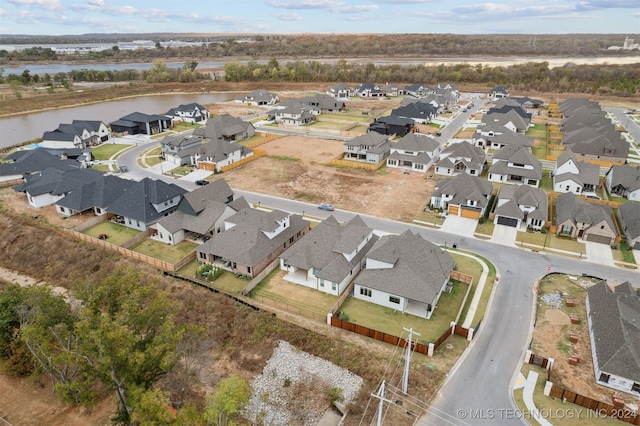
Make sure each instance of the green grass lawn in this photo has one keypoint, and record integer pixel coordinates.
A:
(253, 138)
(485, 228)
(180, 171)
(360, 129)
(537, 131)
(568, 244)
(273, 287)
(623, 253)
(164, 251)
(535, 238)
(116, 234)
(101, 167)
(430, 217)
(345, 117)
(107, 150)
(546, 184)
(183, 126)
(392, 321)
(326, 125)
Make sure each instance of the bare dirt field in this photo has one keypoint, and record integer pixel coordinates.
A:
(297, 167)
(551, 339)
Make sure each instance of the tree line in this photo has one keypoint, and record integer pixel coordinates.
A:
(619, 80)
(599, 79)
(341, 45)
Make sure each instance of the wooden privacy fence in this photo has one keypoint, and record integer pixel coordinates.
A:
(346, 293)
(160, 264)
(378, 335)
(257, 153)
(459, 276)
(395, 340)
(540, 361)
(340, 161)
(265, 139)
(602, 408)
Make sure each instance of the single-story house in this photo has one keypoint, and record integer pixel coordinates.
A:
(23, 163)
(392, 125)
(629, 216)
(613, 316)
(330, 256)
(462, 195)
(141, 123)
(259, 97)
(624, 181)
(521, 204)
(576, 218)
(252, 239)
(96, 195)
(404, 272)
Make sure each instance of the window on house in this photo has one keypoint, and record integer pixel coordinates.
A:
(604, 378)
(334, 286)
(321, 283)
(365, 291)
(394, 299)
(248, 269)
(636, 387)
(601, 226)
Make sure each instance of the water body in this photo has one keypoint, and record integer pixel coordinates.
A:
(15, 130)
(55, 68)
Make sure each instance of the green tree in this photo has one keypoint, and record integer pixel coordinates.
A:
(129, 334)
(159, 73)
(152, 409)
(10, 298)
(226, 403)
(191, 65)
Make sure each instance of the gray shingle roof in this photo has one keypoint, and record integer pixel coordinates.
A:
(35, 161)
(626, 176)
(517, 155)
(630, 212)
(99, 193)
(246, 242)
(523, 195)
(138, 200)
(419, 270)
(472, 156)
(570, 207)
(464, 187)
(368, 139)
(417, 143)
(615, 324)
(324, 248)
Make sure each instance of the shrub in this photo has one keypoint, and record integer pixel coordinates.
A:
(336, 395)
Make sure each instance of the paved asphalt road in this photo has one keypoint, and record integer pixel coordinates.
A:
(483, 379)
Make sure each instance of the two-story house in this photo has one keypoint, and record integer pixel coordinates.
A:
(521, 204)
(462, 195)
(515, 165)
(414, 152)
(459, 158)
(371, 148)
(571, 175)
(189, 113)
(624, 181)
(330, 256)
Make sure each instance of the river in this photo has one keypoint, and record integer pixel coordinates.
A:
(17, 129)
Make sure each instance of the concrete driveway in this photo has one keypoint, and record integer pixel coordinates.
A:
(459, 225)
(599, 253)
(505, 235)
(197, 175)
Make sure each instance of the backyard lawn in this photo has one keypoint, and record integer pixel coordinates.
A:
(346, 117)
(326, 125)
(274, 287)
(184, 126)
(164, 251)
(107, 150)
(116, 234)
(392, 321)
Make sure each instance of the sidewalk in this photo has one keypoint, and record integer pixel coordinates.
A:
(527, 394)
(479, 288)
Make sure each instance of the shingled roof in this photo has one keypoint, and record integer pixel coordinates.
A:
(326, 247)
(614, 319)
(419, 269)
(464, 187)
(630, 212)
(138, 200)
(570, 207)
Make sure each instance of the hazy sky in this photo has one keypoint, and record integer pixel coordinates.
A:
(58, 17)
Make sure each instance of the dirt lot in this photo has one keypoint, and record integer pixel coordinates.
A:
(297, 168)
(551, 339)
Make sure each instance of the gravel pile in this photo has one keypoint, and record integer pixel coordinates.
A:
(272, 395)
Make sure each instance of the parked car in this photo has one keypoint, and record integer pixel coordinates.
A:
(327, 207)
(592, 195)
(438, 133)
(124, 169)
(202, 182)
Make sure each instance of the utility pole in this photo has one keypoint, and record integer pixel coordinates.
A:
(407, 360)
(380, 396)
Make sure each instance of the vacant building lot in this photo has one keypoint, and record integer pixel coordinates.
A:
(297, 167)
